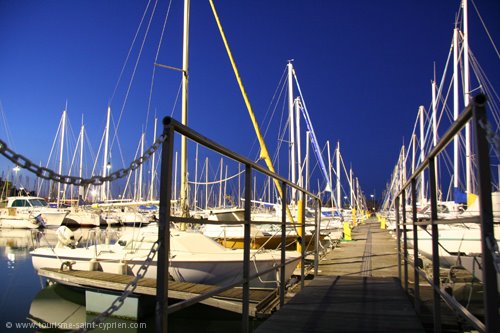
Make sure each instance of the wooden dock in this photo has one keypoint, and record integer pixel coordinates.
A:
(261, 301)
(356, 290)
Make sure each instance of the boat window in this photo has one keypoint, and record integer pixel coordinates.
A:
(20, 203)
(38, 203)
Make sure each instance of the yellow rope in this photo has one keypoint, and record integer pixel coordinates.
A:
(264, 153)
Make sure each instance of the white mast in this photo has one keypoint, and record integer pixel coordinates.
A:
(422, 156)
(306, 182)
(291, 127)
(195, 196)
(434, 130)
(185, 57)
(338, 177)
(63, 126)
(80, 171)
(151, 188)
(351, 187)
(455, 106)
(468, 181)
(105, 159)
(139, 190)
(299, 148)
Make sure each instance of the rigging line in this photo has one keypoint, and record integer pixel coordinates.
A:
(130, 173)
(217, 181)
(6, 128)
(133, 74)
(269, 109)
(156, 61)
(129, 51)
(59, 129)
(485, 28)
(176, 98)
(120, 152)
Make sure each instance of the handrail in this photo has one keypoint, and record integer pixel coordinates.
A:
(171, 127)
(476, 113)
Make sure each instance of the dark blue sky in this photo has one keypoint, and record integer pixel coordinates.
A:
(364, 69)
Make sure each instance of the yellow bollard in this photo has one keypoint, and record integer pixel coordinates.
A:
(382, 223)
(354, 217)
(299, 228)
(347, 231)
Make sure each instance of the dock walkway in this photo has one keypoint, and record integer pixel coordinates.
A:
(260, 301)
(356, 290)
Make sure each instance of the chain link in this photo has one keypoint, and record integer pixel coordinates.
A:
(129, 289)
(49, 174)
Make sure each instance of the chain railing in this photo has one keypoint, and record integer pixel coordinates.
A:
(127, 291)
(49, 174)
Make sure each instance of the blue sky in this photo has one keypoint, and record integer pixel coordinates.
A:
(364, 69)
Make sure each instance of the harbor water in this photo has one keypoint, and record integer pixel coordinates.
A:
(30, 303)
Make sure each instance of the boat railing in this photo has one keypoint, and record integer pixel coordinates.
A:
(172, 128)
(475, 113)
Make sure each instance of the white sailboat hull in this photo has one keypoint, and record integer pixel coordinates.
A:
(194, 258)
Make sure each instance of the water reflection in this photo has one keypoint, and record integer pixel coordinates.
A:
(30, 304)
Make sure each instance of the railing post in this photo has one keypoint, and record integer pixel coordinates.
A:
(283, 245)
(317, 222)
(162, 274)
(435, 248)
(405, 240)
(415, 246)
(492, 318)
(398, 235)
(246, 249)
(303, 241)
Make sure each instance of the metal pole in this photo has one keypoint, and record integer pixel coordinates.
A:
(398, 233)
(164, 230)
(435, 248)
(317, 220)
(246, 249)
(492, 318)
(283, 247)
(415, 245)
(303, 241)
(405, 242)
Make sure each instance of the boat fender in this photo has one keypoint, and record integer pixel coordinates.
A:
(65, 237)
(93, 264)
(122, 268)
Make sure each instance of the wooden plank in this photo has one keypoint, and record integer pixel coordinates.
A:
(356, 291)
(230, 300)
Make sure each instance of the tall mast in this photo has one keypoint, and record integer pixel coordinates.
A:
(351, 187)
(338, 177)
(80, 171)
(422, 156)
(455, 106)
(151, 188)
(434, 128)
(291, 126)
(139, 187)
(105, 159)
(306, 178)
(299, 148)
(468, 180)
(63, 127)
(185, 57)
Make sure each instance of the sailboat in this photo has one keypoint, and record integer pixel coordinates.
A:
(193, 257)
(460, 240)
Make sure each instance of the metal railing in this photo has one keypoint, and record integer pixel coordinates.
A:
(171, 127)
(476, 113)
